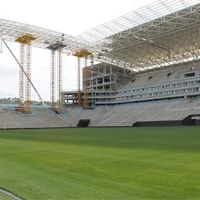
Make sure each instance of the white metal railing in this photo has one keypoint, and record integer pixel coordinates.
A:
(154, 87)
(177, 89)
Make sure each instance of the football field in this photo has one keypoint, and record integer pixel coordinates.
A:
(101, 163)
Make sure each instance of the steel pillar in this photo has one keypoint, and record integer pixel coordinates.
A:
(52, 80)
(21, 79)
(86, 78)
(79, 82)
(27, 107)
(60, 80)
(25, 69)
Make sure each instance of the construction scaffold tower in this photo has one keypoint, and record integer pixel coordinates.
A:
(86, 83)
(56, 52)
(24, 104)
(86, 75)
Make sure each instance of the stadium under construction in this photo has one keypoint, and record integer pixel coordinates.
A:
(141, 69)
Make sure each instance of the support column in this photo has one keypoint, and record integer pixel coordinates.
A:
(27, 82)
(56, 55)
(92, 77)
(60, 80)
(79, 82)
(86, 79)
(21, 79)
(24, 81)
(52, 80)
(83, 53)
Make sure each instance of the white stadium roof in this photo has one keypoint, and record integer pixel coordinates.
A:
(159, 34)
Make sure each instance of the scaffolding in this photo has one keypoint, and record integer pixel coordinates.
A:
(83, 53)
(27, 83)
(21, 79)
(52, 80)
(137, 40)
(160, 34)
(79, 81)
(86, 84)
(60, 80)
(24, 104)
(56, 54)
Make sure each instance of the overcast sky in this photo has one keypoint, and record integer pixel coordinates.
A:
(70, 17)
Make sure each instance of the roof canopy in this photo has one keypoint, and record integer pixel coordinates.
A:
(162, 33)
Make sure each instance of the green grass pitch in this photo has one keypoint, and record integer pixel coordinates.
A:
(101, 163)
(4, 197)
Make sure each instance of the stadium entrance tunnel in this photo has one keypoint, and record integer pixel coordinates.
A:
(83, 123)
(191, 120)
(158, 123)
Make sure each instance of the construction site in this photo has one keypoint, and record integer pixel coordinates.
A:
(146, 60)
(126, 127)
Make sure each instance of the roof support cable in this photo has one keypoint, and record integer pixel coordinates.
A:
(26, 75)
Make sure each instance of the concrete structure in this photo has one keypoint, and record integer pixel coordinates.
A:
(142, 62)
